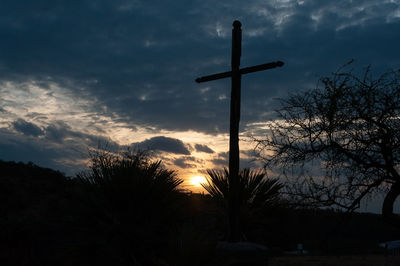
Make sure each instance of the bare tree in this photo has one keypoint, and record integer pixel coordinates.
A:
(341, 140)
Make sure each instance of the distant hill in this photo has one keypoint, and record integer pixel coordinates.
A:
(25, 186)
(34, 207)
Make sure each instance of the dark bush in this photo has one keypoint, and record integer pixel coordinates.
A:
(134, 199)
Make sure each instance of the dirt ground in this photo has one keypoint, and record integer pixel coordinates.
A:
(366, 260)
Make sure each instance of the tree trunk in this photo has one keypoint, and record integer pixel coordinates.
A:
(387, 208)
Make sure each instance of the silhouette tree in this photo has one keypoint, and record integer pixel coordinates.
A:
(349, 127)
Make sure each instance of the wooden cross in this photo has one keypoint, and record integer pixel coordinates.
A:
(235, 74)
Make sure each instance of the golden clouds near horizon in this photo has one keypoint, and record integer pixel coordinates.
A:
(66, 121)
(196, 181)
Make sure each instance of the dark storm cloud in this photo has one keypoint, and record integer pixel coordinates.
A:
(185, 162)
(60, 132)
(221, 159)
(60, 147)
(27, 128)
(244, 163)
(127, 54)
(203, 148)
(247, 159)
(43, 152)
(220, 162)
(249, 153)
(224, 155)
(35, 115)
(140, 58)
(162, 143)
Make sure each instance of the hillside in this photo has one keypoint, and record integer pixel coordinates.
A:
(49, 219)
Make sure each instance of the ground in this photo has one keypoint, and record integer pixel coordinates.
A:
(361, 260)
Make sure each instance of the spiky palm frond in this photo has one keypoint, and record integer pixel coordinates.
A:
(255, 187)
(129, 183)
(217, 183)
(267, 193)
(131, 199)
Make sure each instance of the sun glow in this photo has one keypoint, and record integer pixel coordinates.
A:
(197, 181)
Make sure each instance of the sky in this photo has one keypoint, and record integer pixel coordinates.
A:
(78, 74)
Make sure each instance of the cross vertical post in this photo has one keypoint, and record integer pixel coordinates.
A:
(233, 207)
(235, 74)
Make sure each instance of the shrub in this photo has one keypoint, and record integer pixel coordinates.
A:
(255, 188)
(133, 198)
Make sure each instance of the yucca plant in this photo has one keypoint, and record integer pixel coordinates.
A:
(132, 199)
(129, 176)
(255, 188)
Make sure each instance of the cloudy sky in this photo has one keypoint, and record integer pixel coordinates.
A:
(74, 74)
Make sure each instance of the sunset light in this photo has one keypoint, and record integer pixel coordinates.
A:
(197, 181)
(200, 132)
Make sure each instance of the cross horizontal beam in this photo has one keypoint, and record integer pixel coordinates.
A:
(245, 70)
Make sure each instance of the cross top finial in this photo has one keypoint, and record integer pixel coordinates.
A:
(237, 24)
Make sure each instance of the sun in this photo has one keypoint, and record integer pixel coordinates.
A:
(197, 180)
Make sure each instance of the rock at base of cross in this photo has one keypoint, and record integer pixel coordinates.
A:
(242, 253)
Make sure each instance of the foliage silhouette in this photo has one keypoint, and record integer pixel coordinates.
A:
(46, 219)
(129, 175)
(256, 194)
(255, 188)
(134, 197)
(350, 128)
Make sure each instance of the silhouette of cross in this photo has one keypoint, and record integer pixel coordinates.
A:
(235, 74)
